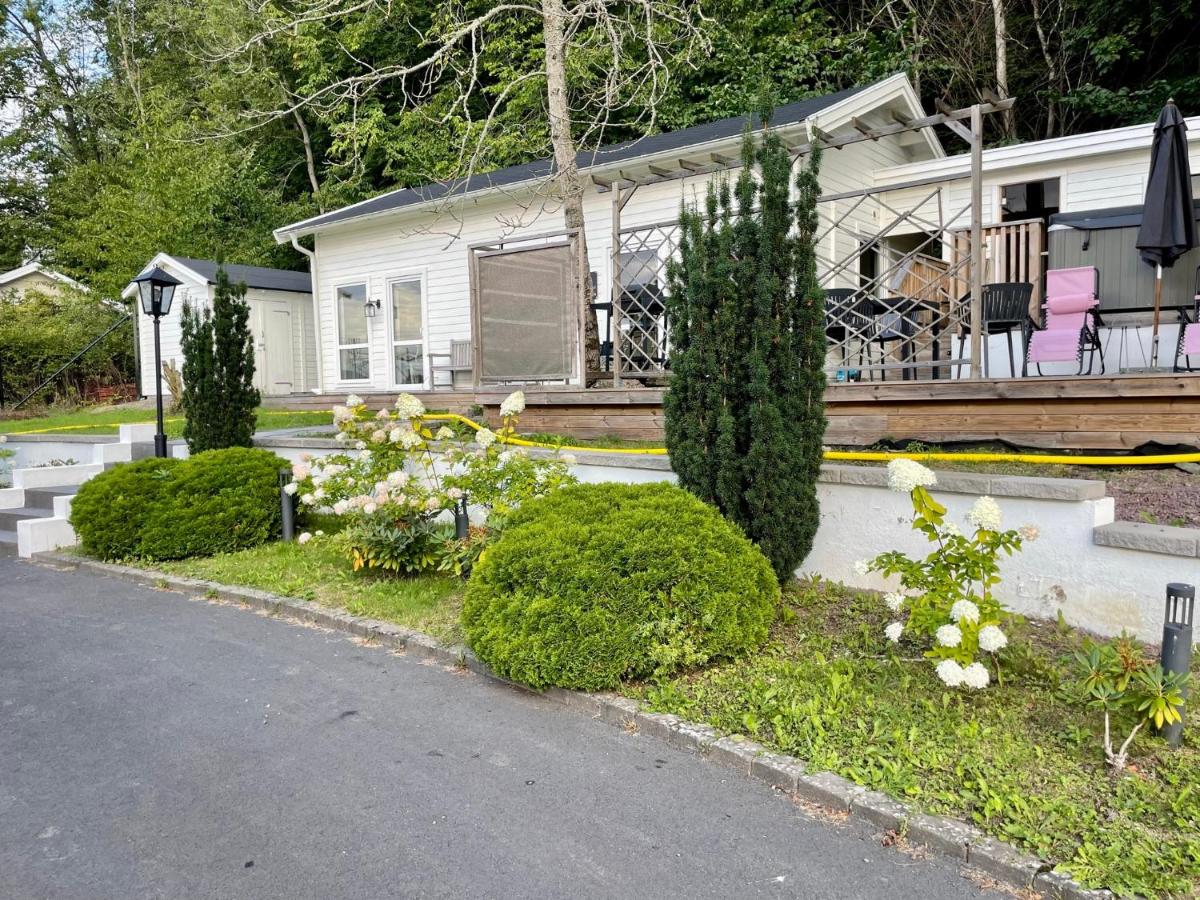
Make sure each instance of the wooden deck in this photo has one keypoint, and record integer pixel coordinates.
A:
(1087, 413)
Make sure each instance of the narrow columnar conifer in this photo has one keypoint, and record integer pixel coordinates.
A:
(745, 410)
(219, 397)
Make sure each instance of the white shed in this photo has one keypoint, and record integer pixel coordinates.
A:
(281, 321)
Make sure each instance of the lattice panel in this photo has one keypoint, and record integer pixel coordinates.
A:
(640, 332)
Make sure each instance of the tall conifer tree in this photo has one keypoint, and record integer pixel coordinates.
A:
(219, 397)
(745, 410)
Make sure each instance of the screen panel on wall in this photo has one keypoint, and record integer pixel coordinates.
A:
(526, 314)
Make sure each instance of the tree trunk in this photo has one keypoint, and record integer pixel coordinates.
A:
(1052, 72)
(1000, 16)
(569, 185)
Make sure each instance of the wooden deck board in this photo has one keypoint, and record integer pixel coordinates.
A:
(1118, 412)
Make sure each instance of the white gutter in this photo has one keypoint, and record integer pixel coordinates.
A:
(316, 303)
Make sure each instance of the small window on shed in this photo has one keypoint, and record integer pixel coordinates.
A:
(1029, 200)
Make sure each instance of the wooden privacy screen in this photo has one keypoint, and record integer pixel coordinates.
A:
(524, 314)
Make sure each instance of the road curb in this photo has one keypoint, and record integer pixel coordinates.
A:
(945, 836)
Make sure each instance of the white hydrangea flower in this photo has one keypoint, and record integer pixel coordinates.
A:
(862, 567)
(950, 672)
(895, 601)
(513, 405)
(382, 415)
(893, 631)
(964, 611)
(454, 493)
(905, 474)
(341, 507)
(992, 639)
(569, 458)
(394, 435)
(290, 488)
(409, 438)
(949, 636)
(360, 445)
(354, 400)
(341, 414)
(950, 529)
(445, 433)
(409, 407)
(985, 514)
(485, 437)
(3, 438)
(319, 533)
(397, 478)
(309, 499)
(304, 538)
(504, 457)
(1028, 532)
(341, 436)
(976, 677)
(369, 507)
(378, 436)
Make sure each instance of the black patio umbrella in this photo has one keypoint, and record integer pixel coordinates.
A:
(1168, 228)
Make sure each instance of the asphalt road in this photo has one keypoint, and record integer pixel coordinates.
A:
(154, 746)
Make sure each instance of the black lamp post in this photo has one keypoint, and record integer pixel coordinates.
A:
(157, 289)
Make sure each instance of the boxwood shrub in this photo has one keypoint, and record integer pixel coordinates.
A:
(218, 501)
(597, 583)
(108, 511)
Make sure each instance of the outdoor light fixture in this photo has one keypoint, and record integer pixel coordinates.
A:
(371, 307)
(156, 290)
(1177, 643)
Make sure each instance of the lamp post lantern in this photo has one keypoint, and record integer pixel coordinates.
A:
(156, 290)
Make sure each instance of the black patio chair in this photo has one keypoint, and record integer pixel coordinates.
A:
(1188, 344)
(1005, 306)
(849, 314)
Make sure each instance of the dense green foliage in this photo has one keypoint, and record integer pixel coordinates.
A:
(599, 582)
(138, 128)
(219, 398)
(1020, 760)
(40, 333)
(109, 511)
(214, 502)
(745, 414)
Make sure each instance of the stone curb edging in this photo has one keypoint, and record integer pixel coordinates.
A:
(947, 837)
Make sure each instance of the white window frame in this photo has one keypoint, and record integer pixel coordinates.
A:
(421, 277)
(365, 283)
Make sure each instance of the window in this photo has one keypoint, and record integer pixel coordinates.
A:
(354, 356)
(408, 332)
(1029, 200)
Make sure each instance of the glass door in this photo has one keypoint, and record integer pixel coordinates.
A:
(408, 332)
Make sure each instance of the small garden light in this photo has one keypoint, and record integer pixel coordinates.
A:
(287, 506)
(1177, 643)
(156, 290)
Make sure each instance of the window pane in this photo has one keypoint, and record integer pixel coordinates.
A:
(352, 314)
(409, 369)
(356, 363)
(406, 311)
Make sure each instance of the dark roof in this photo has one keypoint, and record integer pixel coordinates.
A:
(1101, 219)
(251, 276)
(651, 145)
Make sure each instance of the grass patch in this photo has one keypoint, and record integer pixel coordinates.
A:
(1017, 759)
(318, 571)
(103, 420)
(608, 441)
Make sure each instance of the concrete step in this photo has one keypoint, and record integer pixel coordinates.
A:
(10, 517)
(44, 497)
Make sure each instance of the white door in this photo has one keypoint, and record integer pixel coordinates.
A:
(278, 365)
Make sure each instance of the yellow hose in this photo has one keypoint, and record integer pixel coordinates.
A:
(880, 455)
(1162, 459)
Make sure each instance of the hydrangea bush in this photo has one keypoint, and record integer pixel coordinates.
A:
(405, 477)
(946, 598)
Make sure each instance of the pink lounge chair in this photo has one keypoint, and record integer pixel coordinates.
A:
(1072, 322)
(1189, 334)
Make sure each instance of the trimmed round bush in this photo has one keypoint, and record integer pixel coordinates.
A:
(108, 511)
(597, 583)
(218, 501)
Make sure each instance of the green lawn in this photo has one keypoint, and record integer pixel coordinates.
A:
(105, 420)
(1018, 759)
(317, 571)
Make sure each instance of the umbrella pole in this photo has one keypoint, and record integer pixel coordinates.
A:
(1157, 309)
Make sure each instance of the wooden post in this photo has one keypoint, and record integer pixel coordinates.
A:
(976, 241)
(614, 318)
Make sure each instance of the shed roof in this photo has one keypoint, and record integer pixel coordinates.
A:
(252, 276)
(649, 146)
